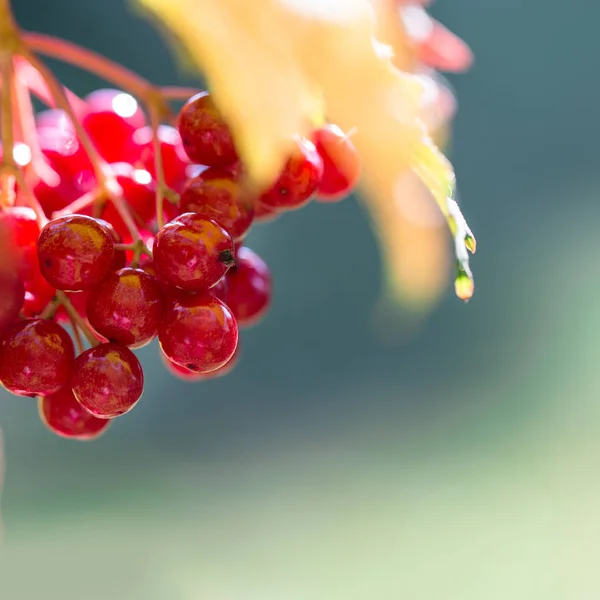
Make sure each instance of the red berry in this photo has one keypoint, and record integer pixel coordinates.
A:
(249, 287)
(64, 416)
(64, 152)
(78, 300)
(198, 332)
(205, 135)
(12, 297)
(174, 158)
(36, 357)
(111, 118)
(126, 308)
(56, 195)
(54, 118)
(108, 380)
(216, 195)
(192, 253)
(298, 181)
(341, 163)
(75, 252)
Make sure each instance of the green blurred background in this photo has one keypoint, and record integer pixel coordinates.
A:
(461, 463)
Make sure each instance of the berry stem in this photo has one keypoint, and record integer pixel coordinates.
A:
(50, 310)
(78, 205)
(89, 61)
(178, 93)
(26, 121)
(76, 335)
(31, 199)
(63, 103)
(109, 188)
(7, 192)
(38, 87)
(161, 186)
(76, 318)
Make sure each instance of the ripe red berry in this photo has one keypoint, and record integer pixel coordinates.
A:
(249, 287)
(126, 308)
(192, 253)
(75, 252)
(111, 118)
(64, 152)
(205, 135)
(36, 357)
(198, 332)
(341, 163)
(78, 300)
(174, 158)
(63, 415)
(54, 118)
(298, 181)
(108, 380)
(215, 194)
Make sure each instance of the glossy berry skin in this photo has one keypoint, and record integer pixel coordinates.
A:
(192, 253)
(198, 332)
(110, 120)
(36, 358)
(249, 287)
(126, 308)
(107, 380)
(63, 415)
(174, 158)
(75, 252)
(215, 194)
(298, 181)
(341, 163)
(206, 137)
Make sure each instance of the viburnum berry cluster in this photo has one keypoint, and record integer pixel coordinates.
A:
(126, 223)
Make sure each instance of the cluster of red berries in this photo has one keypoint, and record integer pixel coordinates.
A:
(190, 283)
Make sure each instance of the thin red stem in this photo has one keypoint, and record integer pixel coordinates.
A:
(26, 119)
(77, 318)
(177, 93)
(34, 81)
(7, 191)
(158, 167)
(89, 61)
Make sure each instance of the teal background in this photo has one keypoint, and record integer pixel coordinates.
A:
(460, 463)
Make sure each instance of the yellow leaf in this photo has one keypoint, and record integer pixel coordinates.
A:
(278, 67)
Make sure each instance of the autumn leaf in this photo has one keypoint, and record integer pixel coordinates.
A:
(277, 68)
